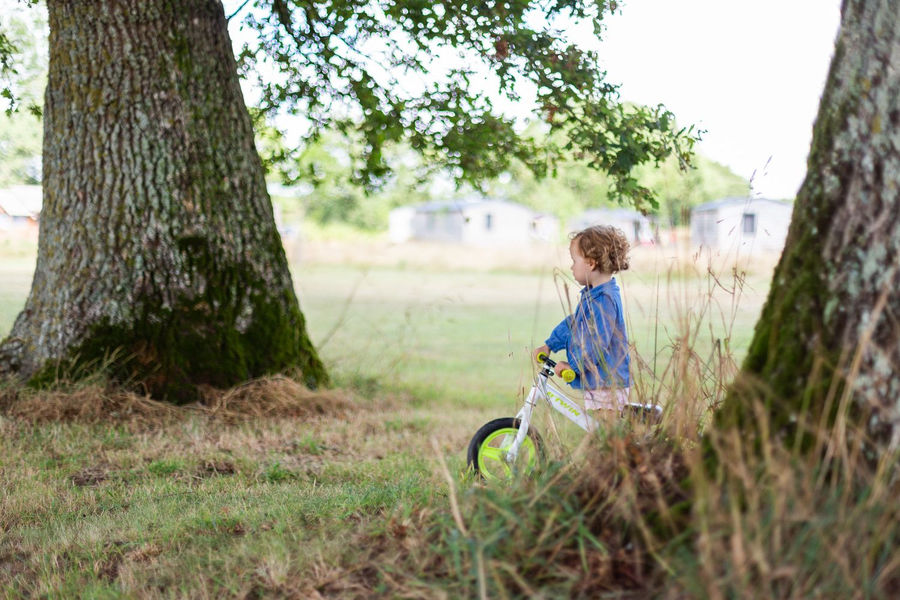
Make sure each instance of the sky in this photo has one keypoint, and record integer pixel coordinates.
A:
(749, 73)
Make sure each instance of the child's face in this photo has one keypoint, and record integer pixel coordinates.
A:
(581, 266)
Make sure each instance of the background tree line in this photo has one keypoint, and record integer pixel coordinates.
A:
(327, 192)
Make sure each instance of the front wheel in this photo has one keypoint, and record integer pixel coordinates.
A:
(490, 444)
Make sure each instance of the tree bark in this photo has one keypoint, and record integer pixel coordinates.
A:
(158, 254)
(829, 333)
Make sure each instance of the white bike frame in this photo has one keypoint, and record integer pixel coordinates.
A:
(556, 398)
(544, 389)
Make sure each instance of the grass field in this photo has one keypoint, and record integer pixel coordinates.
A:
(271, 491)
(453, 324)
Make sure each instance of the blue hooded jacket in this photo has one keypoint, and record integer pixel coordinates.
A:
(595, 340)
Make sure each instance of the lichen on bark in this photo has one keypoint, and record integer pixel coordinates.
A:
(828, 328)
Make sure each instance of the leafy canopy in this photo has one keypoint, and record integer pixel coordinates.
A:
(17, 57)
(434, 75)
(23, 71)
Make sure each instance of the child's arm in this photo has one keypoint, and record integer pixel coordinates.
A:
(559, 340)
(560, 335)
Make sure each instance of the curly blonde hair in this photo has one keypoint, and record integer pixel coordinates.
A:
(606, 245)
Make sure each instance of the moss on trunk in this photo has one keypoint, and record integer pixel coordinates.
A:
(173, 352)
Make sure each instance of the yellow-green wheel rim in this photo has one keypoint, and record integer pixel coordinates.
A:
(492, 454)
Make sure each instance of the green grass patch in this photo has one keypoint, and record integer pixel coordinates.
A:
(135, 512)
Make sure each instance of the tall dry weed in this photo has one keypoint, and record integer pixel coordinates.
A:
(95, 402)
(274, 396)
(87, 403)
(682, 511)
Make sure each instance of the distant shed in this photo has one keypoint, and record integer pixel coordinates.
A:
(477, 222)
(739, 222)
(20, 206)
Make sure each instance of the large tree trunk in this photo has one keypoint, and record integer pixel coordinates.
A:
(829, 333)
(158, 252)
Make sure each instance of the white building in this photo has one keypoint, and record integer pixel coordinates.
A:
(472, 221)
(741, 223)
(20, 207)
(634, 225)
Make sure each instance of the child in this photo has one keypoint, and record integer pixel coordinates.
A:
(594, 337)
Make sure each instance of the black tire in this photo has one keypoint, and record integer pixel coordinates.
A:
(486, 457)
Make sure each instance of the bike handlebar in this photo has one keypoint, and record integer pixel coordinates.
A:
(568, 375)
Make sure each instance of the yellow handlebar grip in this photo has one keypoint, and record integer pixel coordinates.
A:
(568, 375)
(542, 356)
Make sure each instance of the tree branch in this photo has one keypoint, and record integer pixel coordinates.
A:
(239, 9)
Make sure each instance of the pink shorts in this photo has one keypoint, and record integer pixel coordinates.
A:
(606, 398)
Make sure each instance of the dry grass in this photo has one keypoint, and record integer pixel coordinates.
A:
(679, 258)
(275, 396)
(91, 403)
(595, 526)
(259, 491)
(734, 514)
(683, 511)
(430, 256)
(791, 522)
(272, 490)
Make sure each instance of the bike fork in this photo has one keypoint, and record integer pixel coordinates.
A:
(524, 418)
